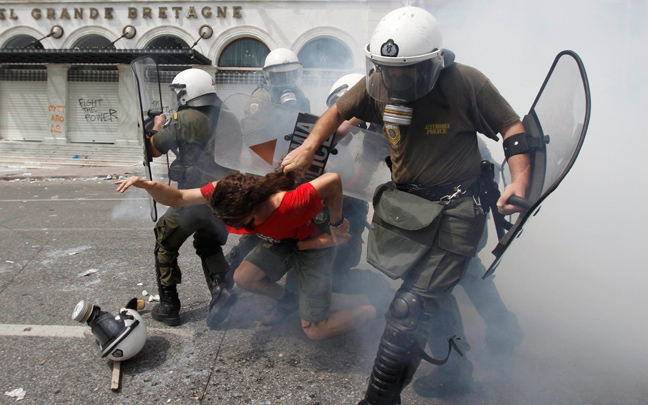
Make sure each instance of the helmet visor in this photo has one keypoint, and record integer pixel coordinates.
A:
(176, 94)
(285, 75)
(402, 83)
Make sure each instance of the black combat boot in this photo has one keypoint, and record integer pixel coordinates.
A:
(223, 298)
(168, 310)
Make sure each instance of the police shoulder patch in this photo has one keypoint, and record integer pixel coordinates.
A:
(393, 134)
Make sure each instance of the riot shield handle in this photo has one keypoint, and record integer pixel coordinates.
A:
(520, 202)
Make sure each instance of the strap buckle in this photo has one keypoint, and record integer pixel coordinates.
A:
(447, 198)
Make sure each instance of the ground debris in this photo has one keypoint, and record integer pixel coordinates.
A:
(87, 272)
(18, 393)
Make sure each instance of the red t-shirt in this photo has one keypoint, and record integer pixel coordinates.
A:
(291, 220)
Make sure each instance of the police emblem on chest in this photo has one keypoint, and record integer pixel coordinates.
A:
(393, 134)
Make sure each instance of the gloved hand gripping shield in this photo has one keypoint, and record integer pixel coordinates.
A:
(556, 126)
(149, 96)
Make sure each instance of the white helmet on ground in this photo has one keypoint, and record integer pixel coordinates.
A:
(118, 337)
(404, 56)
(194, 88)
(282, 69)
(341, 86)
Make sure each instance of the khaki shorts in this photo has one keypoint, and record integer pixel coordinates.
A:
(313, 271)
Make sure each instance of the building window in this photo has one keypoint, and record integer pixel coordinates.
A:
(246, 52)
(167, 42)
(325, 53)
(23, 41)
(93, 42)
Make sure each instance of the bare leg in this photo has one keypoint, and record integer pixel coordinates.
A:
(339, 322)
(251, 278)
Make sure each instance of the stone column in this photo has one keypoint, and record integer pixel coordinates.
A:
(57, 98)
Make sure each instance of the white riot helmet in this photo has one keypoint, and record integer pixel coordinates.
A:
(194, 88)
(341, 86)
(404, 56)
(282, 69)
(118, 337)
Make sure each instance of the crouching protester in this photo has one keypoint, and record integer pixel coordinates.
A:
(289, 221)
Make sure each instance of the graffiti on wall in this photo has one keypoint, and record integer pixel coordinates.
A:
(57, 118)
(95, 110)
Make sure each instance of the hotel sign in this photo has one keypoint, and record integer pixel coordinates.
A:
(108, 13)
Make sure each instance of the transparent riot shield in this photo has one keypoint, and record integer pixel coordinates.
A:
(557, 122)
(149, 95)
(270, 131)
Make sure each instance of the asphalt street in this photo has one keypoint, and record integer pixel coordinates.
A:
(52, 231)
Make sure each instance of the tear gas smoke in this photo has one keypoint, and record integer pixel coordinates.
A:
(574, 278)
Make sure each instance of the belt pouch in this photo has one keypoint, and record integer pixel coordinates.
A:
(403, 229)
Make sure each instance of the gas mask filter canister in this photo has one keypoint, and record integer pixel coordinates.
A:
(288, 98)
(397, 114)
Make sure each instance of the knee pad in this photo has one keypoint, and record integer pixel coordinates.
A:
(397, 346)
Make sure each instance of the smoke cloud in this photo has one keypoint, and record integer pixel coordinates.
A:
(575, 278)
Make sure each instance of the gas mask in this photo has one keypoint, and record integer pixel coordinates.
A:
(289, 98)
(118, 337)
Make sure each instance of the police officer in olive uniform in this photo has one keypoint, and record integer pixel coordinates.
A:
(282, 74)
(428, 221)
(188, 134)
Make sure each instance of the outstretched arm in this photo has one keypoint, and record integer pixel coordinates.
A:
(164, 194)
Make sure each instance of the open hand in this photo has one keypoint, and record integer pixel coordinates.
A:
(134, 181)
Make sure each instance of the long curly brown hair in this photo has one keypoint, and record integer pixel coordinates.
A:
(237, 195)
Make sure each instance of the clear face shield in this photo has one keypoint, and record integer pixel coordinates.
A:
(176, 93)
(286, 75)
(392, 81)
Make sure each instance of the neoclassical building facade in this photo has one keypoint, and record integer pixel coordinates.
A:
(64, 66)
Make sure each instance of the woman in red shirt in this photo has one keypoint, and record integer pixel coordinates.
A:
(286, 218)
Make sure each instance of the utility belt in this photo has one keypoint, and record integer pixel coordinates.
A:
(446, 192)
(406, 221)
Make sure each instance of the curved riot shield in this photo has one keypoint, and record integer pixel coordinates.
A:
(557, 122)
(149, 95)
(270, 131)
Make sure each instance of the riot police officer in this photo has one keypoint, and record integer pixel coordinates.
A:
(194, 108)
(282, 74)
(428, 220)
